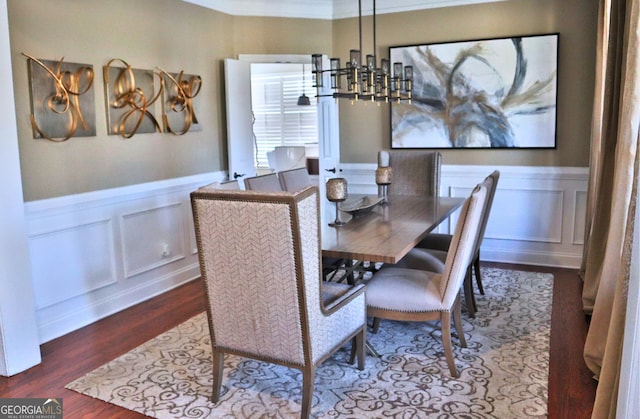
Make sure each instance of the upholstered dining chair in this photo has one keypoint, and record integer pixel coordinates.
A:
(415, 172)
(431, 253)
(259, 255)
(265, 183)
(231, 184)
(416, 295)
(295, 179)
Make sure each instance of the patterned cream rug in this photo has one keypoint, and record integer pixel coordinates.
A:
(504, 370)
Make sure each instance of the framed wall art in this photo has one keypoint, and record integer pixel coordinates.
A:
(486, 93)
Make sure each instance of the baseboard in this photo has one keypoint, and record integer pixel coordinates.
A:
(88, 312)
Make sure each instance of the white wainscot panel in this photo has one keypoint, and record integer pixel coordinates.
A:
(522, 215)
(527, 215)
(71, 261)
(96, 253)
(581, 213)
(152, 238)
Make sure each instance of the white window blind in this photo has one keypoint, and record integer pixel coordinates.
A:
(279, 120)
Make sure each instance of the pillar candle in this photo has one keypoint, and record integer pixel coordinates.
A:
(383, 158)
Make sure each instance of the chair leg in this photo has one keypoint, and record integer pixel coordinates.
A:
(308, 376)
(354, 350)
(445, 324)
(476, 267)
(468, 294)
(218, 366)
(361, 341)
(359, 348)
(376, 324)
(457, 321)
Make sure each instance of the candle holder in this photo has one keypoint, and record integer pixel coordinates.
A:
(337, 192)
(383, 179)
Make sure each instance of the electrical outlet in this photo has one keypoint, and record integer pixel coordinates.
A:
(165, 252)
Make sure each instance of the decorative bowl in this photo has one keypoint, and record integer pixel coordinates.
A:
(360, 206)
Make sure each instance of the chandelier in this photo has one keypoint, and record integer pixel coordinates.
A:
(365, 80)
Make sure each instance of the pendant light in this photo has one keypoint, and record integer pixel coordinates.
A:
(365, 80)
(303, 99)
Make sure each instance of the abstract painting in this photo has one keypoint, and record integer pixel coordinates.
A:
(487, 93)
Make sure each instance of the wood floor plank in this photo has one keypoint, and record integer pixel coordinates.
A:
(571, 388)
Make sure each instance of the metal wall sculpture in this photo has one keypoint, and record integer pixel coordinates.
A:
(62, 99)
(487, 93)
(178, 114)
(130, 96)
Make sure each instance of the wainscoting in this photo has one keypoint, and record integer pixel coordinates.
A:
(537, 216)
(97, 253)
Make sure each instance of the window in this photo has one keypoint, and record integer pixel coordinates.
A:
(278, 119)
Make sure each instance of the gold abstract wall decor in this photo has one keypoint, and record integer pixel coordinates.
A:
(62, 99)
(178, 114)
(130, 96)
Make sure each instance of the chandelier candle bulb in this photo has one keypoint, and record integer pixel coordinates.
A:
(383, 158)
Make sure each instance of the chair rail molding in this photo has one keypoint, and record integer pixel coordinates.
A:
(96, 253)
(537, 216)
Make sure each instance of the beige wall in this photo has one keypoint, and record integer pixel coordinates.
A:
(147, 34)
(267, 35)
(177, 36)
(364, 128)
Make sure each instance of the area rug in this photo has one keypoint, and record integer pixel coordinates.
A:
(503, 371)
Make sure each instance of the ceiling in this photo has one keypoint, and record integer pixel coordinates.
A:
(323, 9)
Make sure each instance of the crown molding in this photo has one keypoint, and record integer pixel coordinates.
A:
(324, 9)
(349, 8)
(311, 9)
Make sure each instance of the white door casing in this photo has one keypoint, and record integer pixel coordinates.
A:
(239, 118)
(328, 137)
(240, 142)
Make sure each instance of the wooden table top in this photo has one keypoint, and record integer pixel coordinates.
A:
(388, 232)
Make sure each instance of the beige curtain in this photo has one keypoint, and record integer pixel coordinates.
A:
(611, 196)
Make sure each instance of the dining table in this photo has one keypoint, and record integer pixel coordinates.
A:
(385, 232)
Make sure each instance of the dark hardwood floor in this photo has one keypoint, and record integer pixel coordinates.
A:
(571, 388)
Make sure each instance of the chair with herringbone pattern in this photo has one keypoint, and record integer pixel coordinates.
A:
(259, 256)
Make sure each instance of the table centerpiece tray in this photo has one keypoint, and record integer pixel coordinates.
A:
(360, 206)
